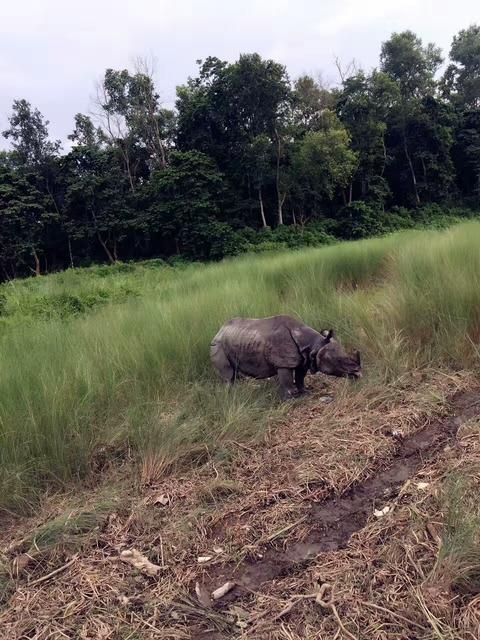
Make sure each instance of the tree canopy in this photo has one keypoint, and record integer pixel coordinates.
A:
(245, 153)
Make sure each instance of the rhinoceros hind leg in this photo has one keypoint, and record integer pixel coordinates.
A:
(222, 363)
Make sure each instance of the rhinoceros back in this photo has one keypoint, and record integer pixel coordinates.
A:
(243, 342)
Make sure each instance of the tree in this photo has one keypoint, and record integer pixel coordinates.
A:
(310, 100)
(85, 134)
(412, 66)
(132, 120)
(461, 86)
(184, 199)
(258, 164)
(323, 163)
(97, 200)
(467, 152)
(25, 219)
(31, 194)
(28, 133)
(227, 107)
(363, 105)
(461, 81)
(408, 62)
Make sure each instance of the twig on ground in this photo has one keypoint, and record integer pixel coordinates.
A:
(53, 573)
(329, 604)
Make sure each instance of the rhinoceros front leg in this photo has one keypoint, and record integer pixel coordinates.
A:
(285, 378)
(300, 373)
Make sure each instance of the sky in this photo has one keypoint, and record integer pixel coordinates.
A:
(53, 52)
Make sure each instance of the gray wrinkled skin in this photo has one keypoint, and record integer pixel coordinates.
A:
(279, 345)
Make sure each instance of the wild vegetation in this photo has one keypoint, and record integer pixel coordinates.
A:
(248, 158)
(116, 434)
(136, 376)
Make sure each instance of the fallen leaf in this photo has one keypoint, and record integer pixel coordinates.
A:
(223, 590)
(422, 485)
(203, 559)
(162, 499)
(21, 562)
(218, 549)
(203, 595)
(379, 513)
(142, 563)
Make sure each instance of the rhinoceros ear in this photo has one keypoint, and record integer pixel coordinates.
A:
(328, 334)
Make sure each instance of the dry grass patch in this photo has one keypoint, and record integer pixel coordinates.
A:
(393, 580)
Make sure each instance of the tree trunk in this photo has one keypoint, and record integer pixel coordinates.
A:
(294, 217)
(350, 193)
(384, 156)
(262, 210)
(38, 271)
(280, 197)
(70, 252)
(280, 207)
(129, 172)
(412, 172)
(424, 170)
(106, 249)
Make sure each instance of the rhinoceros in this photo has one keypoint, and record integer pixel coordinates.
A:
(279, 345)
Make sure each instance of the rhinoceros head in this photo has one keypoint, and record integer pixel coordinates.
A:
(330, 358)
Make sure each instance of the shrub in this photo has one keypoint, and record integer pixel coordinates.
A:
(295, 237)
(213, 240)
(268, 245)
(359, 220)
(396, 219)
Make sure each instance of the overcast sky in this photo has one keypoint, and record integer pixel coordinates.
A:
(53, 51)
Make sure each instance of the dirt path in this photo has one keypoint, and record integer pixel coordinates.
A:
(336, 520)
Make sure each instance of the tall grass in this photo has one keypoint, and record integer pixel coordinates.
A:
(137, 375)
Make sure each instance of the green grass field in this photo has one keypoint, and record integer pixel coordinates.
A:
(114, 361)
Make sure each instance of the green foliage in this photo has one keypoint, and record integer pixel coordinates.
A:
(184, 204)
(77, 291)
(28, 133)
(324, 162)
(413, 66)
(359, 220)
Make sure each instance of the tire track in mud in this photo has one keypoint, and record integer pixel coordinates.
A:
(334, 521)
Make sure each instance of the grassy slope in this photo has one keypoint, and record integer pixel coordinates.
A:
(138, 376)
(133, 380)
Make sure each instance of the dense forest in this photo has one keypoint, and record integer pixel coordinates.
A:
(247, 160)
